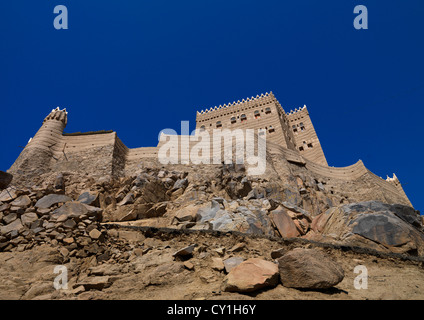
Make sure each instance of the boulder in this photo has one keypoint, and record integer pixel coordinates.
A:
(374, 224)
(51, 199)
(309, 269)
(251, 275)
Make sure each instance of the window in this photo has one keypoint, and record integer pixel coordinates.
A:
(267, 110)
(218, 124)
(202, 128)
(294, 128)
(243, 117)
(257, 114)
(310, 145)
(302, 127)
(271, 129)
(300, 148)
(233, 120)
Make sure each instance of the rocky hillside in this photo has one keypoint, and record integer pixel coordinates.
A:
(213, 228)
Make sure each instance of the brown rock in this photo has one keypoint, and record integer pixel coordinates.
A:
(92, 198)
(69, 223)
(38, 289)
(97, 283)
(22, 201)
(284, 224)
(184, 252)
(251, 275)
(28, 218)
(64, 252)
(138, 252)
(4, 207)
(188, 265)
(10, 218)
(95, 234)
(78, 290)
(275, 254)
(128, 199)
(8, 195)
(68, 240)
(125, 213)
(157, 210)
(187, 214)
(318, 222)
(13, 226)
(217, 264)
(238, 247)
(309, 269)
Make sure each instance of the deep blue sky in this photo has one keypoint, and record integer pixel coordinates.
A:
(138, 67)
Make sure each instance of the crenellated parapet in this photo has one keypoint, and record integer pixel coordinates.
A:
(296, 110)
(263, 98)
(59, 115)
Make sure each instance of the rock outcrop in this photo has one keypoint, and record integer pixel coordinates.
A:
(373, 224)
(309, 269)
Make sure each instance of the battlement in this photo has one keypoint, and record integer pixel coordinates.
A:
(296, 110)
(57, 114)
(260, 99)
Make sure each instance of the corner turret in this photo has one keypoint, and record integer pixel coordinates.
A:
(38, 153)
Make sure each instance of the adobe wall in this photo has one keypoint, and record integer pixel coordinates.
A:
(92, 154)
(261, 112)
(353, 182)
(104, 154)
(305, 136)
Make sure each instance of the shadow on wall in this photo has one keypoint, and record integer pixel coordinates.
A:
(5, 179)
